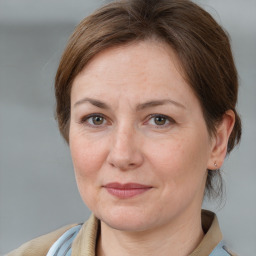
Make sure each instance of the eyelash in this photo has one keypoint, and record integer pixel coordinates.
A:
(85, 120)
(167, 119)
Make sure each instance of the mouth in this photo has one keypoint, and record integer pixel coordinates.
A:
(125, 191)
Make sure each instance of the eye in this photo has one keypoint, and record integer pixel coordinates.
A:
(160, 120)
(94, 120)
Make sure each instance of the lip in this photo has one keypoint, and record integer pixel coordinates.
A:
(127, 190)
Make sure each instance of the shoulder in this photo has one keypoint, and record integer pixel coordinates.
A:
(41, 245)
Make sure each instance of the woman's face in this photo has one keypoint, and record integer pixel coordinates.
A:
(138, 139)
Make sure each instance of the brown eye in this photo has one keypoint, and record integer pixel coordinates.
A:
(160, 120)
(94, 120)
(97, 120)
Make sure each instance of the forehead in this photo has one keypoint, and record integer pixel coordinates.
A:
(143, 67)
(139, 54)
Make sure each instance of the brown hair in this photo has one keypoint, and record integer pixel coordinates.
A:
(199, 42)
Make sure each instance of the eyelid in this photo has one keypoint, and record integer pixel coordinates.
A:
(168, 118)
(84, 120)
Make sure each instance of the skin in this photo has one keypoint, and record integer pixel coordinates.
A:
(124, 143)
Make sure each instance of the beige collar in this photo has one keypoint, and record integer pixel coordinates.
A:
(85, 242)
(212, 236)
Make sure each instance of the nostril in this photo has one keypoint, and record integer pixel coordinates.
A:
(125, 153)
(125, 163)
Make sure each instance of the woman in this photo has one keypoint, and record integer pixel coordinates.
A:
(146, 94)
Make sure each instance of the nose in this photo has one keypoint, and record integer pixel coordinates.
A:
(125, 150)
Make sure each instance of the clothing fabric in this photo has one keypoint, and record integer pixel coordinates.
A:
(80, 240)
(62, 247)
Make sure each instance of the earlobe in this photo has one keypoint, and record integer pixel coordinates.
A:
(220, 142)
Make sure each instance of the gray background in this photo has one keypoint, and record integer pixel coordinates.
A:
(37, 188)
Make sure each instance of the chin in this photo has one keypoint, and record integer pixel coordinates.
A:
(126, 220)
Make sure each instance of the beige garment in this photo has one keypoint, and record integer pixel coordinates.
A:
(85, 241)
(41, 245)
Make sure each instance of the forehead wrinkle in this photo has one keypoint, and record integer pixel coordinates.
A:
(139, 107)
(94, 102)
(155, 103)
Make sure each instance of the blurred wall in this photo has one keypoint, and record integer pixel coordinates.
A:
(37, 188)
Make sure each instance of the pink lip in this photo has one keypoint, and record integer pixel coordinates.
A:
(127, 190)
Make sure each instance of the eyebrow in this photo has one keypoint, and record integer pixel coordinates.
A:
(94, 102)
(139, 107)
(155, 103)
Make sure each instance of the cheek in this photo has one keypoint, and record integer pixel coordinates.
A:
(180, 165)
(181, 162)
(87, 156)
(168, 156)
(87, 160)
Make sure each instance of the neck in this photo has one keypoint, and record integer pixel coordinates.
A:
(180, 238)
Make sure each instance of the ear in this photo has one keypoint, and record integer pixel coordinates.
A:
(220, 140)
